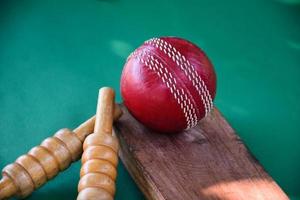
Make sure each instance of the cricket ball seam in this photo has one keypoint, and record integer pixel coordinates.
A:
(180, 96)
(187, 68)
(182, 62)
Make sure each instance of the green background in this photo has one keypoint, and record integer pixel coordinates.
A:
(55, 55)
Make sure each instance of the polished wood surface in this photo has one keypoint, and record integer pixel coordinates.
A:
(207, 162)
(45, 161)
(100, 157)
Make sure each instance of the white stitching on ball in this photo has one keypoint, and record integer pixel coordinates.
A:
(188, 70)
(180, 96)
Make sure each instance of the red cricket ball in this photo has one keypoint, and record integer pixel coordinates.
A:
(168, 84)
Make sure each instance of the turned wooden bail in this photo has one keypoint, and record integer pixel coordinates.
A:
(43, 162)
(100, 157)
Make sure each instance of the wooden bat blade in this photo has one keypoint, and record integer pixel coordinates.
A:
(207, 162)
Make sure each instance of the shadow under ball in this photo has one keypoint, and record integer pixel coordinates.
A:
(168, 84)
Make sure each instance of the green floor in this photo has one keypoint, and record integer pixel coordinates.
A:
(54, 55)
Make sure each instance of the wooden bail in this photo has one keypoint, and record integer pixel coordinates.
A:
(54, 154)
(88, 126)
(105, 111)
(100, 158)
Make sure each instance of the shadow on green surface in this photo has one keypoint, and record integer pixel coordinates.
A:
(55, 193)
(290, 2)
(294, 8)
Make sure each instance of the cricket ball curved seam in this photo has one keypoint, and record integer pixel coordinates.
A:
(187, 68)
(168, 84)
(182, 62)
(180, 95)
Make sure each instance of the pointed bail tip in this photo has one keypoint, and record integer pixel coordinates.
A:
(106, 96)
(106, 89)
(105, 110)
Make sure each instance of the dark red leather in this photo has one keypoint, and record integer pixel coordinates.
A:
(152, 95)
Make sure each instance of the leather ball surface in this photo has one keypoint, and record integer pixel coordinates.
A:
(168, 84)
